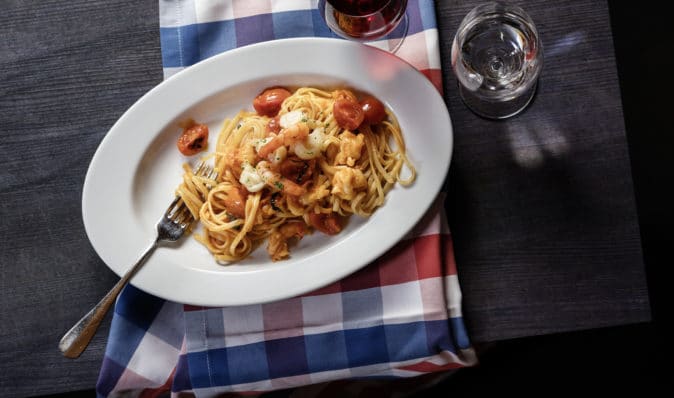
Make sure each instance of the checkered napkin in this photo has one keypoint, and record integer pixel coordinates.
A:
(397, 317)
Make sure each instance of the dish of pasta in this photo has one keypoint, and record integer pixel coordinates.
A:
(303, 161)
(294, 157)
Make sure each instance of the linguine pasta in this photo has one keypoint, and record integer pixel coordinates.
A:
(282, 177)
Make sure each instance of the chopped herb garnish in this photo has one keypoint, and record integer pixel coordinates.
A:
(278, 184)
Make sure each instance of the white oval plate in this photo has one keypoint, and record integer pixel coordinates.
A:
(135, 170)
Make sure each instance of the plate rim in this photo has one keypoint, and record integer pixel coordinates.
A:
(177, 78)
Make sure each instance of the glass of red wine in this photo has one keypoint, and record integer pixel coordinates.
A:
(367, 20)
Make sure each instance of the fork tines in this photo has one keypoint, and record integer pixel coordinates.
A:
(177, 211)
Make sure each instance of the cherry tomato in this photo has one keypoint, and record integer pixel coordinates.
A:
(269, 102)
(193, 139)
(373, 109)
(326, 223)
(348, 114)
(296, 169)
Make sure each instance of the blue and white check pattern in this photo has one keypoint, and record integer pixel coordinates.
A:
(398, 317)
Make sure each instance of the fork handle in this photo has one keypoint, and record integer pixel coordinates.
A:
(76, 340)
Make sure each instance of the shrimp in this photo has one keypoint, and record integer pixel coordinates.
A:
(278, 240)
(275, 180)
(347, 182)
(234, 201)
(235, 159)
(350, 148)
(289, 136)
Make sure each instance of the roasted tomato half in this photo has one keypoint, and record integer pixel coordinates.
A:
(193, 140)
(348, 114)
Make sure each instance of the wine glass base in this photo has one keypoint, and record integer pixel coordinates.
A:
(497, 110)
(367, 28)
(394, 39)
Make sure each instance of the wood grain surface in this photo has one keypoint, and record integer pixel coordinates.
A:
(541, 206)
(68, 70)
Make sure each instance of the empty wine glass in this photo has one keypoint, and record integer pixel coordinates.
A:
(497, 56)
(367, 20)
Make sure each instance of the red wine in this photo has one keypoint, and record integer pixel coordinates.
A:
(363, 19)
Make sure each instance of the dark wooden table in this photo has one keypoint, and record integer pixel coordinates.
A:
(542, 206)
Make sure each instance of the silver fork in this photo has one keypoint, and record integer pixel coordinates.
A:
(170, 228)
